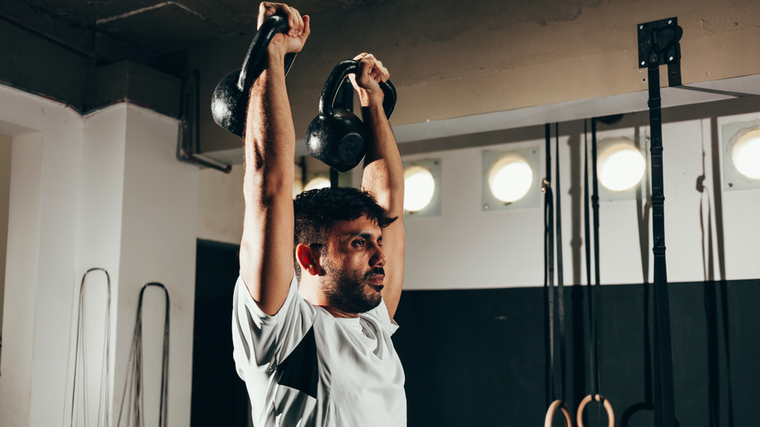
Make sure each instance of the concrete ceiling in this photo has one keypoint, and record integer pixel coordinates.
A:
(165, 26)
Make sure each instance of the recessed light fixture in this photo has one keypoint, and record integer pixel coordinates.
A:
(317, 182)
(746, 155)
(621, 165)
(419, 187)
(510, 178)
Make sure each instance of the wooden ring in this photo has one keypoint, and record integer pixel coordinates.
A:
(557, 404)
(598, 398)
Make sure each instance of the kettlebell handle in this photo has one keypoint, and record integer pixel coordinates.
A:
(253, 64)
(335, 79)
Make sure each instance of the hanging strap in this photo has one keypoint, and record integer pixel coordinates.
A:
(597, 315)
(587, 246)
(133, 383)
(554, 296)
(548, 274)
(664, 399)
(560, 275)
(80, 354)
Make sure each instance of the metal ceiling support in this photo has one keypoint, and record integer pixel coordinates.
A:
(658, 45)
(188, 141)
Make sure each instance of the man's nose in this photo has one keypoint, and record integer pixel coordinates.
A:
(378, 259)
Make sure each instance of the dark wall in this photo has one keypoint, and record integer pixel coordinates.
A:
(219, 397)
(33, 63)
(476, 357)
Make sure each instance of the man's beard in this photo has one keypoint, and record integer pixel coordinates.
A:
(345, 289)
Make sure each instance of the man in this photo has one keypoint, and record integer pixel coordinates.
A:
(317, 351)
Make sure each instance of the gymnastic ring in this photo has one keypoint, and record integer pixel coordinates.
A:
(598, 398)
(557, 404)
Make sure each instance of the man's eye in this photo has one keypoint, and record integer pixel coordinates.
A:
(358, 243)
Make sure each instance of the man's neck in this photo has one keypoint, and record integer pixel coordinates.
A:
(311, 293)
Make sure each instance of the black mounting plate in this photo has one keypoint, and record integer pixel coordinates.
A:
(659, 45)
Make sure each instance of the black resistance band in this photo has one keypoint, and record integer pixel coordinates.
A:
(560, 279)
(80, 358)
(548, 273)
(554, 314)
(664, 399)
(597, 380)
(133, 383)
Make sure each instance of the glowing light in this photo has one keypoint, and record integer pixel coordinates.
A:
(419, 187)
(746, 155)
(510, 178)
(317, 182)
(621, 166)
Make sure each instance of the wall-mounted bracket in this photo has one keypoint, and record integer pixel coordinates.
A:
(659, 45)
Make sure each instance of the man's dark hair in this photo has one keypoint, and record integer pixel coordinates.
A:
(317, 210)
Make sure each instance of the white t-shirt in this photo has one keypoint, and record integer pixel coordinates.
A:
(304, 367)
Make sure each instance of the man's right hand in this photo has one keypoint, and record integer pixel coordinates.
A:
(293, 40)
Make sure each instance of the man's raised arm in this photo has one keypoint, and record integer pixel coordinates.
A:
(383, 175)
(266, 249)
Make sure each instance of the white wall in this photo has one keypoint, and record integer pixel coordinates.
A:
(158, 245)
(101, 191)
(5, 189)
(221, 205)
(40, 263)
(469, 248)
(466, 247)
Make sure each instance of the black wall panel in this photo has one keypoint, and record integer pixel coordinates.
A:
(476, 357)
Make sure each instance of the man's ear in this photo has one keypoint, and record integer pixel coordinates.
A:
(308, 258)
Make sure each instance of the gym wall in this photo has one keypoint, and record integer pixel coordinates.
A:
(104, 190)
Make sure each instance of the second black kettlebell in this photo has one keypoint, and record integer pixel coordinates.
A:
(337, 137)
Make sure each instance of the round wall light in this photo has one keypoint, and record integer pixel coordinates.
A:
(317, 182)
(510, 178)
(746, 155)
(621, 165)
(419, 187)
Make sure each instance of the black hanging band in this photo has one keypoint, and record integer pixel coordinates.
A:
(80, 358)
(597, 281)
(133, 384)
(553, 313)
(659, 45)
(587, 246)
(593, 291)
(548, 272)
(560, 280)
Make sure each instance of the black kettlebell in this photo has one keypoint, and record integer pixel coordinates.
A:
(335, 136)
(229, 103)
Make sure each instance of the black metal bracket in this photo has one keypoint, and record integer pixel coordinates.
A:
(659, 45)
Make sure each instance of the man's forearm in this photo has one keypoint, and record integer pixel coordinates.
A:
(383, 170)
(270, 136)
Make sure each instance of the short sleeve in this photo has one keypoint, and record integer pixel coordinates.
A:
(260, 341)
(381, 317)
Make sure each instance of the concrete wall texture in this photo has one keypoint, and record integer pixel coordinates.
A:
(453, 59)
